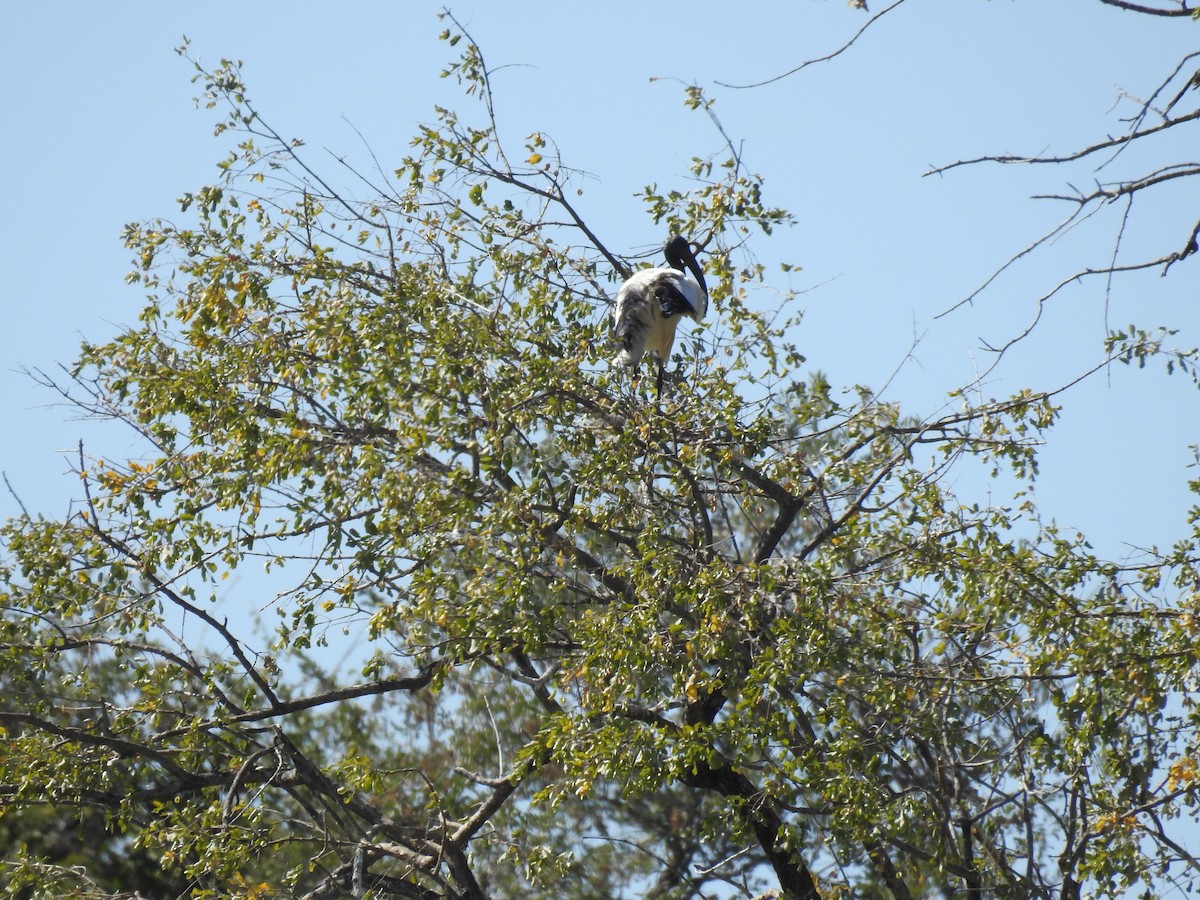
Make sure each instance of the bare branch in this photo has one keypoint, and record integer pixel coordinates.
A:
(838, 52)
(1149, 10)
(1070, 157)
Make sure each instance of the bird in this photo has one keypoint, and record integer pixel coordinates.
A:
(651, 302)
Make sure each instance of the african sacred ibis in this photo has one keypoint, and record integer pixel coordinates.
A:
(650, 303)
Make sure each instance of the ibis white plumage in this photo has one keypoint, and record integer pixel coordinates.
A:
(651, 302)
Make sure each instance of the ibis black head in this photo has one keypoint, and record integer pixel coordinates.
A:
(679, 254)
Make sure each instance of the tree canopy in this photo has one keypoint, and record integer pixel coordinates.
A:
(740, 639)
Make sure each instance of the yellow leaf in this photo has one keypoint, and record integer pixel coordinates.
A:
(534, 159)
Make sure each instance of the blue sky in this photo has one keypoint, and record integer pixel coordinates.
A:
(101, 130)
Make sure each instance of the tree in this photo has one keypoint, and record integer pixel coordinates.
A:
(737, 640)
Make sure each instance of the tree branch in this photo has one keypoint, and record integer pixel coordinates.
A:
(1149, 10)
(838, 52)
(795, 880)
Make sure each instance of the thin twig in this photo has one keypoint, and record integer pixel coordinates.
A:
(8, 484)
(838, 52)
(1148, 10)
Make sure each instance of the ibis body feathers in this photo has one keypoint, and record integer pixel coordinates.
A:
(651, 302)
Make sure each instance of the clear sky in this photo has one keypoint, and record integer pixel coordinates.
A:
(100, 130)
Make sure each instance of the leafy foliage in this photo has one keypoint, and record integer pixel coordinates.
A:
(740, 638)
